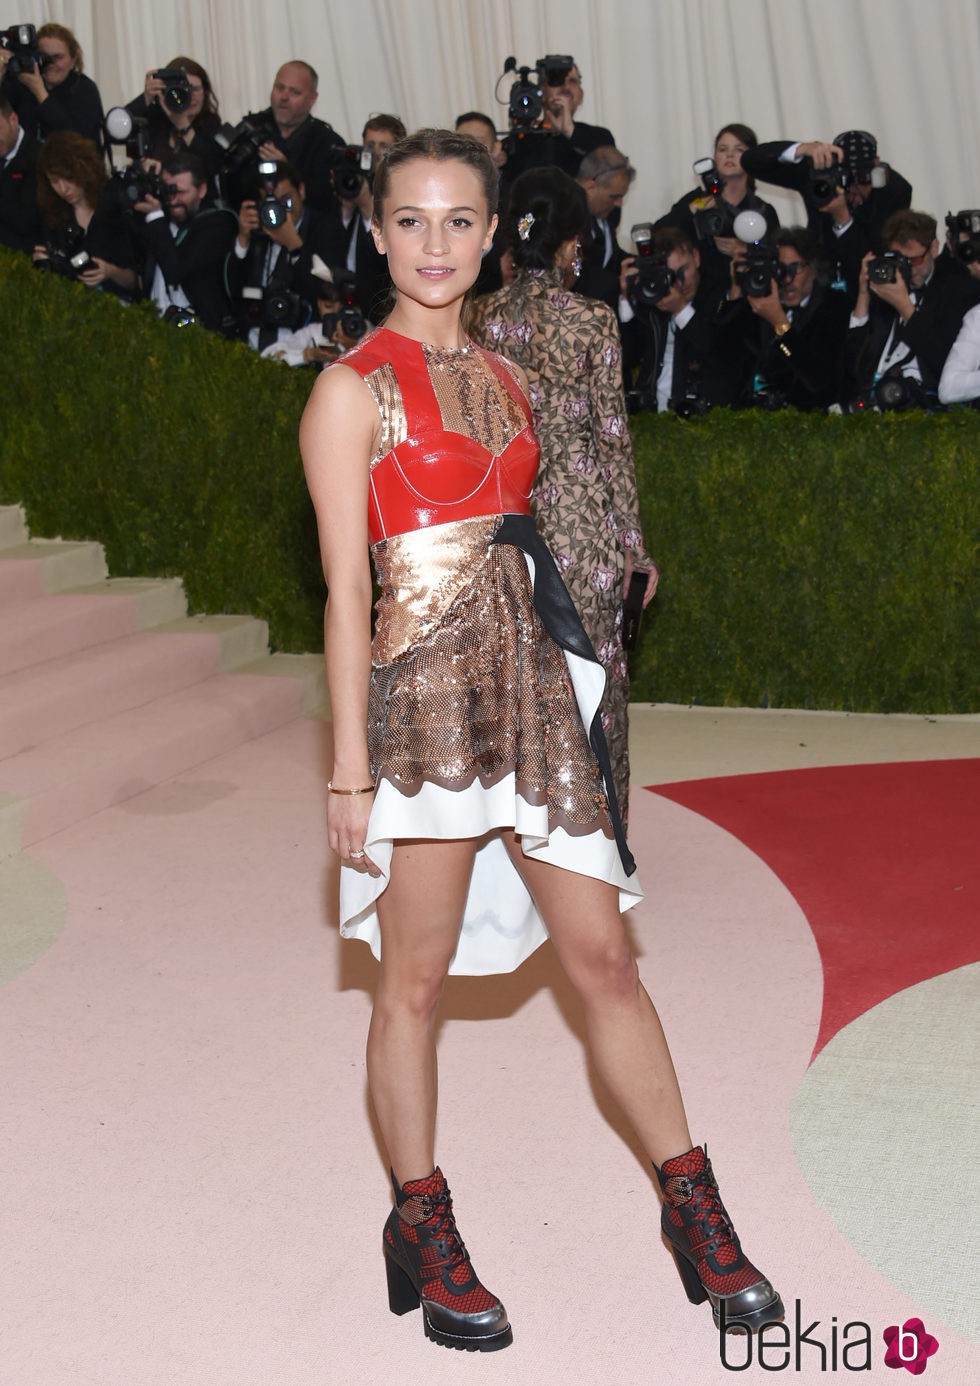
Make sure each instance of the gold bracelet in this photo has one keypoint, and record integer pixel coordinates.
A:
(369, 790)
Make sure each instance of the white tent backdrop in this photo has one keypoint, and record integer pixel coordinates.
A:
(663, 75)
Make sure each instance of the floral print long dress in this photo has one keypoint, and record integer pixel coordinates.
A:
(585, 501)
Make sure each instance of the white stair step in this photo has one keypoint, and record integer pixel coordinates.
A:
(13, 525)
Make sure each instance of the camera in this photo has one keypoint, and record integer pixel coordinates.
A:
(825, 183)
(756, 270)
(351, 317)
(176, 88)
(21, 41)
(964, 224)
(237, 173)
(64, 260)
(691, 403)
(180, 317)
(892, 394)
(888, 267)
(351, 167)
(272, 210)
(653, 280)
(284, 308)
(526, 101)
(711, 180)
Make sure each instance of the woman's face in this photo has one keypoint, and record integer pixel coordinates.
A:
(60, 61)
(728, 154)
(67, 190)
(435, 227)
(196, 104)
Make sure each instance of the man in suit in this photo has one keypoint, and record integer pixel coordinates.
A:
(277, 258)
(690, 350)
(848, 217)
(800, 329)
(185, 243)
(901, 330)
(351, 244)
(300, 138)
(605, 176)
(20, 223)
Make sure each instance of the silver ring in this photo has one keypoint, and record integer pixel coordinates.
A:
(352, 855)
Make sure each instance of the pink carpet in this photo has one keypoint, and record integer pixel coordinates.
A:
(193, 1191)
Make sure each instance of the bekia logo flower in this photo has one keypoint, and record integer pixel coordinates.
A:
(909, 1346)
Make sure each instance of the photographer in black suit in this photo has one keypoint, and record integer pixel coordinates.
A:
(847, 190)
(909, 310)
(605, 176)
(185, 243)
(297, 136)
(269, 269)
(690, 346)
(351, 244)
(800, 328)
(20, 219)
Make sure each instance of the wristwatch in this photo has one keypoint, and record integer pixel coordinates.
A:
(782, 329)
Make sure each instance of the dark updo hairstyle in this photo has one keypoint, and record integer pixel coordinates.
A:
(559, 211)
(445, 146)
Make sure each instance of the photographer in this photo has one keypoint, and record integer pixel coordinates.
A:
(798, 340)
(909, 311)
(87, 239)
(19, 218)
(351, 244)
(708, 213)
(563, 95)
(605, 176)
(53, 93)
(847, 191)
(185, 243)
(181, 109)
(688, 343)
(296, 136)
(269, 268)
(339, 325)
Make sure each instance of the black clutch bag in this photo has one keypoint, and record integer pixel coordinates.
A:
(633, 609)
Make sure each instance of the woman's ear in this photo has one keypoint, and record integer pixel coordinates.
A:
(379, 243)
(493, 226)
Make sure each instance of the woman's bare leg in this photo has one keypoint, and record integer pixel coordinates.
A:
(420, 913)
(625, 1037)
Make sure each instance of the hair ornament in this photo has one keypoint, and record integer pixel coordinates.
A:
(525, 224)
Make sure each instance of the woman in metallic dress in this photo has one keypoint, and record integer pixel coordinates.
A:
(468, 804)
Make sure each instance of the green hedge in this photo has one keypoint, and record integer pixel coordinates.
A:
(807, 562)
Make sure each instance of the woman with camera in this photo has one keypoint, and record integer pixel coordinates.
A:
(708, 213)
(54, 93)
(584, 498)
(181, 109)
(87, 239)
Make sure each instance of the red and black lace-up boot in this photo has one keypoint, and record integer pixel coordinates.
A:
(427, 1262)
(706, 1247)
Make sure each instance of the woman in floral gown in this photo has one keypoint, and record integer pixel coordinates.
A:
(584, 500)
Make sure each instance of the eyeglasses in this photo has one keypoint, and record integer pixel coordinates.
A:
(792, 269)
(917, 261)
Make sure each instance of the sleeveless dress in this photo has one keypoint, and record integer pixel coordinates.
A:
(483, 707)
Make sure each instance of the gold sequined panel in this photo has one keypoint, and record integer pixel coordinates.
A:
(420, 574)
(485, 694)
(471, 400)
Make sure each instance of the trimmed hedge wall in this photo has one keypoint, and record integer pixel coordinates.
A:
(807, 561)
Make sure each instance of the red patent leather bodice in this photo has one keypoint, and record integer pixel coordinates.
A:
(436, 475)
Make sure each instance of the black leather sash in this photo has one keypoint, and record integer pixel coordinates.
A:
(563, 623)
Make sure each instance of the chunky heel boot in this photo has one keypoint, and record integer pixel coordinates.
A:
(706, 1248)
(428, 1264)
